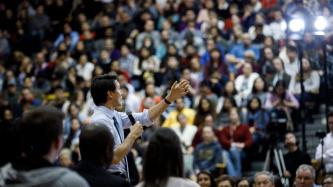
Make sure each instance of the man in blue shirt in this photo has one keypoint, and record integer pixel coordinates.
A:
(105, 91)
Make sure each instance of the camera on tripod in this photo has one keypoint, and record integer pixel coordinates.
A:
(277, 126)
(320, 134)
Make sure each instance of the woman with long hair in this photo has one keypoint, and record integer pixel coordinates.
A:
(163, 161)
(205, 108)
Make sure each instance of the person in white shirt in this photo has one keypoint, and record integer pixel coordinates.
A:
(184, 131)
(244, 82)
(85, 68)
(328, 147)
(290, 60)
(277, 26)
(311, 80)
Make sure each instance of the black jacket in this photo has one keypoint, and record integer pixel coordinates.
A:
(97, 176)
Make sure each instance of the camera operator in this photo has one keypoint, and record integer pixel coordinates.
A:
(325, 150)
(294, 157)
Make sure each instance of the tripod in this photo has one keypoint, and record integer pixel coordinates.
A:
(274, 156)
(276, 153)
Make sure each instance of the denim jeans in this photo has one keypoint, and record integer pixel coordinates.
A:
(233, 159)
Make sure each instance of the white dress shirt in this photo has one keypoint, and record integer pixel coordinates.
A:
(328, 152)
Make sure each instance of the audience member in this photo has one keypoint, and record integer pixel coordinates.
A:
(305, 176)
(180, 108)
(225, 181)
(185, 132)
(264, 179)
(328, 181)
(243, 182)
(41, 133)
(165, 152)
(327, 147)
(205, 179)
(208, 154)
(294, 157)
(96, 148)
(235, 138)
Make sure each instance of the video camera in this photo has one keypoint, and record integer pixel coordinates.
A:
(320, 134)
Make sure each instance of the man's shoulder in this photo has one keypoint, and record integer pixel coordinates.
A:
(70, 178)
(46, 176)
(98, 117)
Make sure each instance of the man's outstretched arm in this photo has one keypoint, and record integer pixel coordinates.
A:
(177, 90)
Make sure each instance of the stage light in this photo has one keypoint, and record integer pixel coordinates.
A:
(320, 25)
(296, 25)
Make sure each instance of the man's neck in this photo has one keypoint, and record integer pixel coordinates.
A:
(109, 106)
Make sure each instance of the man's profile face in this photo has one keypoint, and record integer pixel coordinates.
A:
(116, 96)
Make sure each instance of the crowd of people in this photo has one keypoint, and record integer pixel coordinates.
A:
(221, 74)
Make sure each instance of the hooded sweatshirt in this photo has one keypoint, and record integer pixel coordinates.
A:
(42, 177)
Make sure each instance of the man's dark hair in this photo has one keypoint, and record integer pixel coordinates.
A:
(165, 152)
(96, 145)
(100, 86)
(39, 128)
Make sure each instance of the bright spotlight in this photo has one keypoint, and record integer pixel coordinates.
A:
(296, 25)
(320, 25)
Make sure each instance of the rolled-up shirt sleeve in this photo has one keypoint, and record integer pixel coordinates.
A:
(142, 117)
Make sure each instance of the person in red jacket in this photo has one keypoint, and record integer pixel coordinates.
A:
(235, 138)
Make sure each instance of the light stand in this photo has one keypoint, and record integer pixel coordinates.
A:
(301, 114)
(326, 83)
(295, 30)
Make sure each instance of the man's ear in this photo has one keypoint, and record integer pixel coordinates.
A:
(109, 94)
(58, 143)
